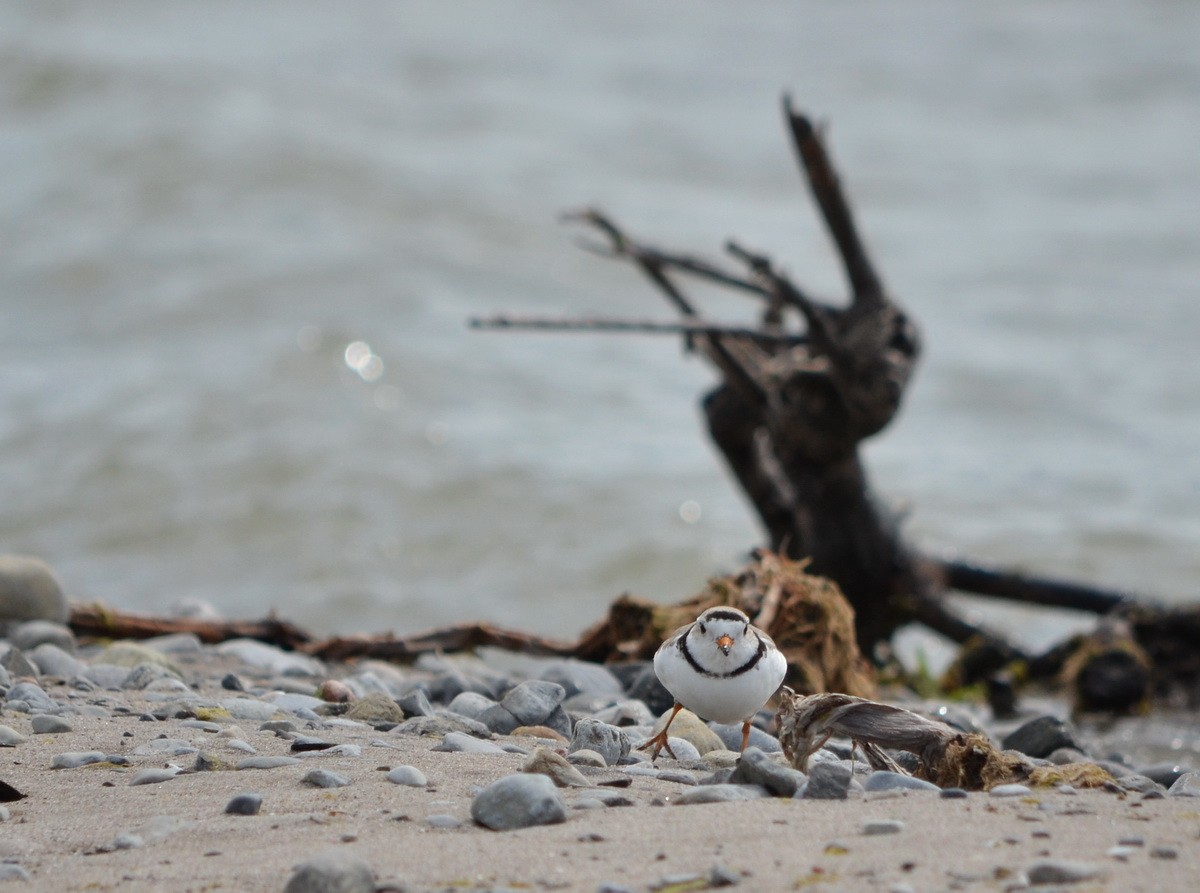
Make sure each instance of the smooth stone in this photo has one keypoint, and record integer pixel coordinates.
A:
(625, 713)
(827, 781)
(415, 703)
(560, 721)
(175, 643)
(106, 676)
(293, 703)
(443, 822)
(470, 704)
(755, 767)
(459, 742)
(959, 794)
(11, 871)
(1139, 784)
(1164, 852)
(610, 742)
(152, 776)
(15, 663)
(731, 736)
(542, 732)
(5, 679)
(33, 696)
(323, 778)
(1041, 736)
(1062, 871)
(585, 757)
(409, 776)
(334, 871)
(1166, 774)
(247, 803)
(201, 724)
(46, 724)
(376, 707)
(210, 762)
(894, 781)
(440, 725)
(647, 688)
(145, 675)
(500, 720)
(170, 747)
(29, 590)
(268, 657)
(76, 759)
(248, 709)
(580, 677)
(5, 815)
(10, 737)
(518, 801)
(132, 654)
(53, 660)
(688, 726)
(267, 762)
(29, 635)
(1186, 785)
(533, 701)
(720, 793)
(555, 767)
(882, 826)
(1010, 790)
(678, 777)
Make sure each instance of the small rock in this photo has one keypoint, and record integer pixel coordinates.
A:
(1186, 785)
(499, 719)
(518, 801)
(153, 776)
(11, 871)
(77, 759)
(533, 701)
(755, 767)
(443, 822)
(249, 709)
(440, 725)
(415, 703)
(1040, 737)
(247, 803)
(30, 591)
(231, 682)
(609, 741)
(647, 688)
(1061, 871)
(458, 742)
(323, 778)
(691, 728)
(267, 762)
(376, 707)
(15, 663)
(720, 793)
(1166, 774)
(9, 737)
(882, 826)
(45, 724)
(731, 736)
(544, 732)
(409, 776)
(335, 871)
(894, 781)
(828, 781)
(208, 762)
(1010, 790)
(556, 768)
(270, 658)
(580, 677)
(33, 633)
(957, 794)
(1164, 852)
(470, 704)
(131, 655)
(585, 757)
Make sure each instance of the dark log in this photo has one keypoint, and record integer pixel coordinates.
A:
(101, 622)
(967, 576)
(463, 637)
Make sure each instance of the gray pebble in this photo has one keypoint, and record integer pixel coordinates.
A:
(684, 750)
(1164, 852)
(29, 635)
(45, 724)
(518, 801)
(248, 708)
(755, 767)
(323, 778)
(1186, 785)
(610, 742)
(152, 776)
(500, 720)
(1010, 790)
(10, 737)
(26, 697)
(828, 781)
(267, 762)
(334, 871)
(270, 658)
(16, 663)
(586, 757)
(77, 759)
(470, 704)
(443, 822)
(532, 702)
(894, 781)
(882, 826)
(165, 747)
(1121, 853)
(247, 803)
(1061, 871)
(458, 742)
(1166, 774)
(731, 736)
(11, 871)
(581, 677)
(677, 776)
(415, 703)
(30, 591)
(106, 676)
(440, 725)
(410, 776)
(5, 815)
(720, 793)
(52, 660)
(1041, 736)
(960, 794)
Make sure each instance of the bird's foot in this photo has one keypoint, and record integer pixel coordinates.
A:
(659, 742)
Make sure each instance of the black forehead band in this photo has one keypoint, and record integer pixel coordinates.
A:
(725, 615)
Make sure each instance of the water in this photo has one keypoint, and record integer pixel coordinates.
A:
(204, 206)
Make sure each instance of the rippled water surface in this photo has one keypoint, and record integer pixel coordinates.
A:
(238, 244)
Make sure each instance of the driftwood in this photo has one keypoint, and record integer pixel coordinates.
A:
(101, 622)
(799, 394)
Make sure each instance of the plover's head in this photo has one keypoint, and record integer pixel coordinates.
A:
(723, 626)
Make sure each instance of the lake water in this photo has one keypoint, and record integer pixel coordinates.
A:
(239, 243)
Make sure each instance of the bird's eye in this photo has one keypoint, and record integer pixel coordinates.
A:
(703, 630)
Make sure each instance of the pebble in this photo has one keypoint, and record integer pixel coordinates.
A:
(28, 697)
(693, 729)
(409, 776)
(755, 767)
(827, 781)
(11, 871)
(1041, 736)
(894, 781)
(610, 742)
(555, 767)
(153, 776)
(9, 737)
(443, 822)
(1062, 871)
(29, 590)
(731, 736)
(1010, 790)
(246, 803)
(268, 657)
(264, 762)
(518, 801)
(533, 701)
(16, 663)
(1186, 785)
(374, 708)
(75, 760)
(586, 757)
(334, 871)
(52, 660)
(47, 724)
(720, 793)
(323, 778)
(882, 826)
(459, 742)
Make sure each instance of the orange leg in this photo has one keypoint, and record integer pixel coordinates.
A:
(659, 741)
(745, 735)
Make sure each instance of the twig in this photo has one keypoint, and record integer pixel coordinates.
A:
(641, 326)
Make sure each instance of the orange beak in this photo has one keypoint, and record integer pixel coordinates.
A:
(725, 643)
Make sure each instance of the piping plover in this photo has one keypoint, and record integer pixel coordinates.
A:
(721, 668)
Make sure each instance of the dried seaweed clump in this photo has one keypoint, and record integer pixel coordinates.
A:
(807, 616)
